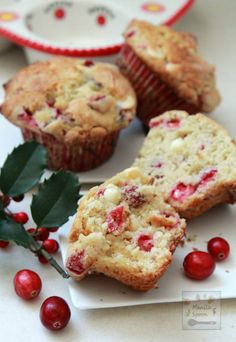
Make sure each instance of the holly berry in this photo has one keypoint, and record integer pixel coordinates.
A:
(55, 313)
(218, 248)
(31, 231)
(198, 265)
(3, 244)
(27, 284)
(20, 217)
(50, 245)
(53, 230)
(18, 198)
(42, 234)
(6, 201)
(42, 259)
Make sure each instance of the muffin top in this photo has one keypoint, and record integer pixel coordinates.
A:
(70, 98)
(174, 55)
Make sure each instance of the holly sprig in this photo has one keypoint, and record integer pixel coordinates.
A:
(51, 206)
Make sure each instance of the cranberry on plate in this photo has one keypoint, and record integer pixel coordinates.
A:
(198, 265)
(219, 248)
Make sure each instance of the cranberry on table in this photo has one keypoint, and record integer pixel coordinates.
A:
(55, 313)
(198, 265)
(219, 248)
(27, 284)
(42, 234)
(3, 244)
(20, 217)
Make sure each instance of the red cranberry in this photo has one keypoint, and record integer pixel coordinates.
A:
(198, 265)
(218, 248)
(88, 63)
(130, 34)
(42, 259)
(55, 313)
(50, 245)
(27, 284)
(134, 198)
(18, 198)
(75, 263)
(42, 234)
(115, 220)
(100, 192)
(101, 20)
(59, 13)
(155, 123)
(182, 191)
(3, 244)
(21, 217)
(145, 242)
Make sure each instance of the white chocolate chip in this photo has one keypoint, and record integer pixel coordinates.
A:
(112, 194)
(158, 53)
(127, 103)
(177, 144)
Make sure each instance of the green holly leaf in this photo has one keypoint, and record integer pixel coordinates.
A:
(2, 213)
(12, 231)
(23, 168)
(56, 200)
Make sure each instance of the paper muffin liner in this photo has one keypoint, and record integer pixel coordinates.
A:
(154, 95)
(81, 156)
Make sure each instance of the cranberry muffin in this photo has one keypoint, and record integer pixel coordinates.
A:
(193, 161)
(124, 230)
(166, 71)
(76, 108)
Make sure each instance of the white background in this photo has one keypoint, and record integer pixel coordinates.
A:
(214, 23)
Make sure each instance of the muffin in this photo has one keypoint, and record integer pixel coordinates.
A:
(166, 71)
(124, 230)
(193, 161)
(75, 108)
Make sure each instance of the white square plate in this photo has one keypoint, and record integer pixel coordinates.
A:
(98, 291)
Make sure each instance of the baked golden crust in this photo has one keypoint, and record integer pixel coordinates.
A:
(68, 98)
(124, 253)
(174, 56)
(192, 162)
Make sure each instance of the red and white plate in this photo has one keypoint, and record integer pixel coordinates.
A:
(82, 28)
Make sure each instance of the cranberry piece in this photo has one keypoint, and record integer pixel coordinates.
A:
(101, 20)
(130, 34)
(155, 123)
(198, 265)
(182, 191)
(27, 284)
(207, 177)
(219, 248)
(145, 242)
(42, 234)
(158, 165)
(18, 198)
(3, 244)
(50, 245)
(88, 63)
(42, 259)
(28, 118)
(115, 220)
(75, 263)
(55, 313)
(100, 192)
(59, 13)
(173, 123)
(20, 217)
(134, 198)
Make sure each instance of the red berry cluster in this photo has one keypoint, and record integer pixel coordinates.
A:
(199, 265)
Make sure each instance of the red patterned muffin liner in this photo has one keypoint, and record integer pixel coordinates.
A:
(154, 95)
(81, 156)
